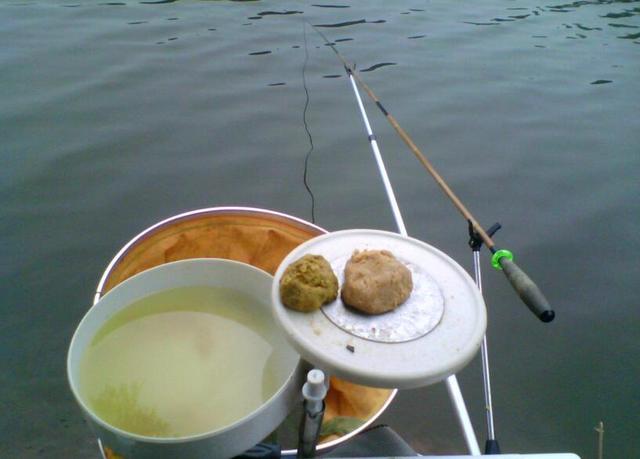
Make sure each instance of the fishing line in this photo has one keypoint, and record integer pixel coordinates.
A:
(306, 126)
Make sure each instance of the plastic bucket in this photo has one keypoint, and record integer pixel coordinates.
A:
(261, 238)
(226, 439)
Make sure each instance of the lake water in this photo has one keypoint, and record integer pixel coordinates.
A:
(116, 115)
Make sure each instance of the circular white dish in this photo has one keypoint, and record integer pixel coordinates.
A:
(427, 358)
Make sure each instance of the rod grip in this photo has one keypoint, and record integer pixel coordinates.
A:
(527, 290)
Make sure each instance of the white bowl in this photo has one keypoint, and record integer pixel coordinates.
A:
(224, 442)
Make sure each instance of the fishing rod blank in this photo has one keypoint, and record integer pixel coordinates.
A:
(453, 388)
(501, 259)
(491, 445)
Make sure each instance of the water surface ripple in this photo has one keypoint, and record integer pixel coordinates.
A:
(116, 115)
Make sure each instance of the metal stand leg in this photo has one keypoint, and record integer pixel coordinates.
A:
(314, 392)
(463, 415)
(491, 445)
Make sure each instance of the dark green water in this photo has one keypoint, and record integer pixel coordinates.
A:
(115, 115)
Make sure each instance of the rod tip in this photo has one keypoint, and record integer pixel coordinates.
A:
(547, 316)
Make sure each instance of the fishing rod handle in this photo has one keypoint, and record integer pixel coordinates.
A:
(527, 290)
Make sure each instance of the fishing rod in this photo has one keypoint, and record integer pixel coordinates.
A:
(453, 388)
(501, 259)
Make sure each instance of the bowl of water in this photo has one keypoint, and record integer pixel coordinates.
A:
(184, 360)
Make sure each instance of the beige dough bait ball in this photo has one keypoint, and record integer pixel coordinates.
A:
(375, 282)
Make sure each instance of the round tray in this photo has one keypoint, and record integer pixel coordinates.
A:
(384, 350)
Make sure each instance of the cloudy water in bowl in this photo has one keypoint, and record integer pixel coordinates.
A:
(181, 362)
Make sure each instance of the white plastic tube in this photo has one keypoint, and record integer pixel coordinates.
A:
(452, 382)
(381, 167)
(314, 392)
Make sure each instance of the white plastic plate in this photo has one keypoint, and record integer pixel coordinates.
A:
(371, 357)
